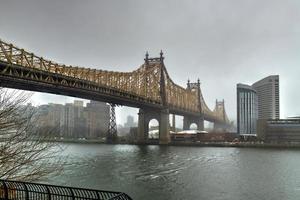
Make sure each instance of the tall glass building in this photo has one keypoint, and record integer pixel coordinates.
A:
(247, 109)
(267, 90)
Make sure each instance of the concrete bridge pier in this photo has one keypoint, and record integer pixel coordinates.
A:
(162, 116)
(164, 127)
(188, 120)
(141, 127)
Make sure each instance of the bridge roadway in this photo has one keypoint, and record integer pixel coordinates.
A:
(148, 88)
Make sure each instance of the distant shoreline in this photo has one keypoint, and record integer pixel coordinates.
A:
(191, 144)
(237, 145)
(75, 141)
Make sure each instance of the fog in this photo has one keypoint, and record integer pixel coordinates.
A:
(220, 42)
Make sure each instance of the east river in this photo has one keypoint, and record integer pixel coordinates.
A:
(173, 173)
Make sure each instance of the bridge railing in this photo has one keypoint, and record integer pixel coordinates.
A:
(15, 190)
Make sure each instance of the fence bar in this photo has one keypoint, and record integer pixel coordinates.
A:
(48, 191)
(26, 191)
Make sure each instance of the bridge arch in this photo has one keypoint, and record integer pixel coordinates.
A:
(193, 126)
(189, 122)
(153, 129)
(157, 117)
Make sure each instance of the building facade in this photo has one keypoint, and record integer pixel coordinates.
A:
(258, 101)
(130, 122)
(48, 119)
(97, 115)
(267, 90)
(279, 131)
(74, 120)
(247, 109)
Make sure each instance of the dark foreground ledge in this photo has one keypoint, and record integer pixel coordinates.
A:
(15, 190)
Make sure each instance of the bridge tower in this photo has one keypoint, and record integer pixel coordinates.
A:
(220, 105)
(198, 120)
(161, 115)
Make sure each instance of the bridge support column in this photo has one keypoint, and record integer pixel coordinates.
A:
(187, 121)
(162, 116)
(173, 123)
(164, 127)
(200, 124)
(141, 127)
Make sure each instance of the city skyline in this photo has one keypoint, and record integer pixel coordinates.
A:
(39, 98)
(130, 120)
(73, 120)
(242, 48)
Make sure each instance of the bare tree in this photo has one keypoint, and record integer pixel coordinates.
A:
(23, 153)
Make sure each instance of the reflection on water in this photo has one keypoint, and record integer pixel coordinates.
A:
(166, 172)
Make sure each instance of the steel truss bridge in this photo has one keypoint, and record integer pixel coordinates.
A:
(149, 88)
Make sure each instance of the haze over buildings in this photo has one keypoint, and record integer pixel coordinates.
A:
(231, 41)
(74, 120)
(130, 122)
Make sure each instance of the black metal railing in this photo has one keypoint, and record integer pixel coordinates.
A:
(16, 190)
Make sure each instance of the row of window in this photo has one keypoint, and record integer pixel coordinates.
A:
(247, 112)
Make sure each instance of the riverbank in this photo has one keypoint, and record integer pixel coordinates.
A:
(69, 140)
(238, 145)
(192, 144)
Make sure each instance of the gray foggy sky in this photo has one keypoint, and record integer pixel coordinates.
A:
(220, 42)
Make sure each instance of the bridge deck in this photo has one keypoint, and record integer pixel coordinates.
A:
(149, 86)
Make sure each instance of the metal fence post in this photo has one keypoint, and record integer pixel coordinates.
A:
(48, 191)
(5, 190)
(72, 193)
(26, 191)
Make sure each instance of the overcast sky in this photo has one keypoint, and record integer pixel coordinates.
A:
(222, 42)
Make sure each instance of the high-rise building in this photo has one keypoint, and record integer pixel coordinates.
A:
(130, 122)
(73, 120)
(267, 91)
(69, 120)
(48, 119)
(78, 103)
(247, 109)
(54, 115)
(97, 119)
(259, 101)
(79, 120)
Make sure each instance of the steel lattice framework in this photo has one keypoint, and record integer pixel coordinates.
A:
(112, 129)
(150, 85)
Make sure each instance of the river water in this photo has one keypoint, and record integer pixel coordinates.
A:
(173, 173)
